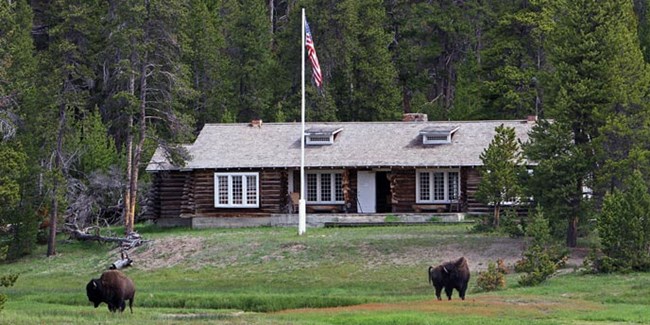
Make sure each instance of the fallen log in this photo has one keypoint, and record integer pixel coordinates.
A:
(131, 240)
(122, 262)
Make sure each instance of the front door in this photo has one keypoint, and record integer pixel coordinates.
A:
(366, 192)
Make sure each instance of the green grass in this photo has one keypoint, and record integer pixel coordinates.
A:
(374, 275)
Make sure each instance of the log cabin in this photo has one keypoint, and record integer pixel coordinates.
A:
(247, 173)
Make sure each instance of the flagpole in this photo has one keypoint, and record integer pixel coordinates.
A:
(302, 206)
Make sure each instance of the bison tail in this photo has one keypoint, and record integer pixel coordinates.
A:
(430, 277)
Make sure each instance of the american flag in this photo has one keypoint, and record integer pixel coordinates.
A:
(311, 52)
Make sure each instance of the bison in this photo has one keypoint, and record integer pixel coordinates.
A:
(113, 288)
(450, 275)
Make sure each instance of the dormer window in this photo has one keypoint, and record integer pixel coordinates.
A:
(321, 136)
(438, 134)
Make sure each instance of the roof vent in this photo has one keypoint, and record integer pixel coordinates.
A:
(438, 134)
(321, 136)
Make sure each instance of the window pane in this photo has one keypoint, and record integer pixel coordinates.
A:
(425, 190)
(237, 194)
(325, 187)
(312, 184)
(338, 186)
(439, 186)
(251, 189)
(453, 185)
(223, 189)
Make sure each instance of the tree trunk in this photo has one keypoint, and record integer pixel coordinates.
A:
(51, 241)
(572, 232)
(133, 182)
(497, 210)
(128, 225)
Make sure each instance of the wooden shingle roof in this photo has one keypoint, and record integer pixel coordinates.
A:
(358, 144)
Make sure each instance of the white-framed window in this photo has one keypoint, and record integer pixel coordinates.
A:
(236, 190)
(437, 186)
(325, 187)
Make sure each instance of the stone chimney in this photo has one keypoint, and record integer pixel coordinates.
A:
(414, 117)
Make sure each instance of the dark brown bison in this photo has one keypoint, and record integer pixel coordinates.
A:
(113, 288)
(450, 275)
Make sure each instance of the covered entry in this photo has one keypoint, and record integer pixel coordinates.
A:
(373, 192)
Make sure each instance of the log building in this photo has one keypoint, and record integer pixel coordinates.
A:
(252, 171)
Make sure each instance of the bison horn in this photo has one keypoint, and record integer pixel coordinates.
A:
(444, 268)
(94, 284)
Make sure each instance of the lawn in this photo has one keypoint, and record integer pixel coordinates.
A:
(374, 275)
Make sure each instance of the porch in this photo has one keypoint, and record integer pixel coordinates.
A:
(323, 219)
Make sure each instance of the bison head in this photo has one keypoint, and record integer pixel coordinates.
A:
(94, 292)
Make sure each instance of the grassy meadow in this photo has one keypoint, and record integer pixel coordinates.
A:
(374, 275)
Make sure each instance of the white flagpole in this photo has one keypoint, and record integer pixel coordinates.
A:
(302, 206)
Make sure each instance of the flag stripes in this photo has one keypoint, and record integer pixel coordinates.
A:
(311, 53)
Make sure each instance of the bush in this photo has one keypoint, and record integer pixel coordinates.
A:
(6, 281)
(538, 228)
(511, 224)
(542, 258)
(539, 263)
(624, 228)
(492, 279)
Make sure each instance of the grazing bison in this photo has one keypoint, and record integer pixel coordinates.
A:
(113, 288)
(450, 275)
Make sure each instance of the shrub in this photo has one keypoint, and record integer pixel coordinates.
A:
(538, 228)
(511, 224)
(483, 226)
(6, 281)
(624, 228)
(492, 279)
(539, 263)
(542, 258)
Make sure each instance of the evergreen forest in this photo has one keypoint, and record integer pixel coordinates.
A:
(88, 89)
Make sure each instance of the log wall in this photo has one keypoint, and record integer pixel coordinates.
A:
(402, 183)
(186, 194)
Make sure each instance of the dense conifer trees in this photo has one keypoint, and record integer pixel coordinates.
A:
(147, 73)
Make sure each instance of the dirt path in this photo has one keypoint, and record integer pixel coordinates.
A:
(484, 305)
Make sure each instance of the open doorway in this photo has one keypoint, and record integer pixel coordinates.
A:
(383, 198)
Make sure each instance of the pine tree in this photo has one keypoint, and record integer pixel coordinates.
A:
(248, 46)
(413, 49)
(68, 82)
(362, 74)
(599, 72)
(514, 61)
(18, 107)
(624, 227)
(145, 82)
(286, 84)
(502, 167)
(206, 57)
(556, 183)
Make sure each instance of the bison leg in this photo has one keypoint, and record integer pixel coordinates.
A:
(448, 292)
(461, 291)
(438, 291)
(122, 305)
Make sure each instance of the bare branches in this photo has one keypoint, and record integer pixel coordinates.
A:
(130, 241)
